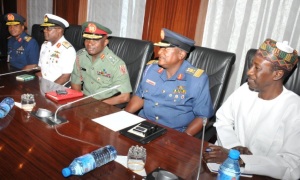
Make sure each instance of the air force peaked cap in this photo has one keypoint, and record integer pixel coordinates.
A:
(14, 19)
(93, 30)
(172, 39)
(53, 20)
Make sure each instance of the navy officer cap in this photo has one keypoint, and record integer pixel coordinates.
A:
(172, 39)
(14, 19)
(53, 20)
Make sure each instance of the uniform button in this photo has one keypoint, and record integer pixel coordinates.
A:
(92, 82)
(156, 117)
(156, 104)
(163, 91)
(92, 68)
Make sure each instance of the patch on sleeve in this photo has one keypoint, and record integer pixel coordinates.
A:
(194, 71)
(152, 62)
(27, 38)
(66, 44)
(123, 69)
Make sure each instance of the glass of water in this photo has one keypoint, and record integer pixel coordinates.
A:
(27, 102)
(136, 158)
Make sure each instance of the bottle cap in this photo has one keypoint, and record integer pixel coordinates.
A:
(234, 154)
(66, 172)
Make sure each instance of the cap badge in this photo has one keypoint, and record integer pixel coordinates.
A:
(92, 28)
(10, 17)
(162, 34)
(46, 19)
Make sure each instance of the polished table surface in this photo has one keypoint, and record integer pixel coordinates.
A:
(29, 148)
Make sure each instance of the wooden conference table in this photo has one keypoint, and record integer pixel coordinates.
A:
(29, 148)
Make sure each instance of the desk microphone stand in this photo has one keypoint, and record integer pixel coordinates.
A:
(201, 149)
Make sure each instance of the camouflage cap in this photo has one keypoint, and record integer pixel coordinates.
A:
(93, 30)
(279, 53)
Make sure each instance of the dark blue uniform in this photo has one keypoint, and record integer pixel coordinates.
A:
(175, 102)
(23, 51)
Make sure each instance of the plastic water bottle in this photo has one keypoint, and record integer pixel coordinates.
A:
(5, 106)
(230, 169)
(88, 162)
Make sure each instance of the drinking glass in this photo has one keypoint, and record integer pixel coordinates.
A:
(27, 102)
(136, 158)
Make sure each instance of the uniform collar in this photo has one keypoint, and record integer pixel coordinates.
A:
(179, 75)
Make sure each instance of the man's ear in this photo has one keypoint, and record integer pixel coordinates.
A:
(278, 74)
(106, 42)
(182, 54)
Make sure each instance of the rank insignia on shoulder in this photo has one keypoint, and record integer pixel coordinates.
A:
(27, 38)
(80, 51)
(66, 44)
(152, 62)
(194, 71)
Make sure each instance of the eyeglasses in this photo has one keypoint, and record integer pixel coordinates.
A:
(47, 28)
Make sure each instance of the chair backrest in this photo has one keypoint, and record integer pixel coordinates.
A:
(217, 64)
(73, 34)
(135, 53)
(292, 82)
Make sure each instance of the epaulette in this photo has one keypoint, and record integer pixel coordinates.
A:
(194, 71)
(80, 51)
(112, 59)
(27, 38)
(66, 44)
(152, 62)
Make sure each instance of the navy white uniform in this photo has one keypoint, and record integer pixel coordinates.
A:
(56, 59)
(177, 101)
(23, 51)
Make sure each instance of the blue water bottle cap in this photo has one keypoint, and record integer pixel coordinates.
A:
(66, 172)
(234, 154)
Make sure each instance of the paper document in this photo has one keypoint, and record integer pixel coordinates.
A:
(118, 120)
(214, 167)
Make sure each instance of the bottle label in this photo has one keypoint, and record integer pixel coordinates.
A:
(86, 163)
(227, 176)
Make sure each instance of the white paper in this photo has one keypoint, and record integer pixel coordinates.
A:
(214, 167)
(123, 160)
(118, 120)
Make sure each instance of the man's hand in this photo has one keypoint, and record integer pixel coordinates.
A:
(243, 150)
(217, 154)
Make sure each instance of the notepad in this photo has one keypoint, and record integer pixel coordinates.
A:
(71, 93)
(25, 77)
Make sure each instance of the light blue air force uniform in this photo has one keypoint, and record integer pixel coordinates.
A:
(23, 51)
(175, 102)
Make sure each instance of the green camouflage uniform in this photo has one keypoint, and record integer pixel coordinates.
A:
(107, 71)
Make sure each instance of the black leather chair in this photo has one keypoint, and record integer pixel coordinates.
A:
(136, 53)
(292, 82)
(217, 64)
(73, 34)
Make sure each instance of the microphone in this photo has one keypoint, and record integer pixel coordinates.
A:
(27, 70)
(201, 149)
(58, 121)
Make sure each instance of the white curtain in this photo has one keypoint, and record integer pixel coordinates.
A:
(124, 17)
(36, 9)
(239, 25)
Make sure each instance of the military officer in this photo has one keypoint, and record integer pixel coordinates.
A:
(23, 50)
(98, 68)
(173, 92)
(57, 55)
